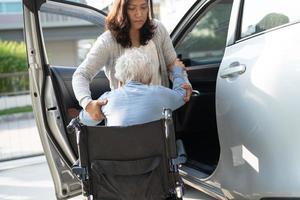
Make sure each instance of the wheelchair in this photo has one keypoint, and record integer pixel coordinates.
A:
(135, 162)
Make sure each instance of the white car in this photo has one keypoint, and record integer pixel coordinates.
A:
(242, 131)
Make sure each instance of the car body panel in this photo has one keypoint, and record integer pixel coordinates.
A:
(258, 121)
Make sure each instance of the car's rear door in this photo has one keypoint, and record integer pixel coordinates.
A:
(58, 34)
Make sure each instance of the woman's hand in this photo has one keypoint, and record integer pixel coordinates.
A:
(94, 109)
(179, 63)
(188, 91)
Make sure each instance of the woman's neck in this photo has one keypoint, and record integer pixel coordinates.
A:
(135, 37)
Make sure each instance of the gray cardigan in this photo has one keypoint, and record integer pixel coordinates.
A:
(104, 54)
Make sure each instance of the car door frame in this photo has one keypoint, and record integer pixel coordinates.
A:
(51, 127)
(211, 185)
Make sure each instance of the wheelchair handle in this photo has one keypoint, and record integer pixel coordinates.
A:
(73, 125)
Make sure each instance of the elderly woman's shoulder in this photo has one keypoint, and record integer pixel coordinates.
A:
(159, 88)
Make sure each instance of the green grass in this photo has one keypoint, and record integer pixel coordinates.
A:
(16, 110)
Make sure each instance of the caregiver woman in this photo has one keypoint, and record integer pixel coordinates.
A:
(129, 25)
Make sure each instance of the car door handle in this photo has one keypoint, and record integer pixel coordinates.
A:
(233, 71)
(195, 93)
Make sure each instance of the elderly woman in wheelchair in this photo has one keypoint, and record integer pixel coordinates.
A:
(136, 101)
(135, 156)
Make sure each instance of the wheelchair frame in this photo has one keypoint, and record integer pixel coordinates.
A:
(82, 167)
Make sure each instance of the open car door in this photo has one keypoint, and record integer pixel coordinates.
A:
(200, 41)
(56, 34)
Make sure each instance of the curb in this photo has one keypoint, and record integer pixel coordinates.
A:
(6, 165)
(17, 116)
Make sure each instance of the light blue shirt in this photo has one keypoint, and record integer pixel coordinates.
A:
(137, 103)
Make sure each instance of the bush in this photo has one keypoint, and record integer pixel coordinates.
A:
(12, 57)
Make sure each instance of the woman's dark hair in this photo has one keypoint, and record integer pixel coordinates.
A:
(118, 23)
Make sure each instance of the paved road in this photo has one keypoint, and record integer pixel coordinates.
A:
(33, 182)
(30, 179)
(19, 137)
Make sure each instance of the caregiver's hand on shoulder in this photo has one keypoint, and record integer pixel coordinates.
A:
(94, 109)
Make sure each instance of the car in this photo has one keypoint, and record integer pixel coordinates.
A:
(241, 126)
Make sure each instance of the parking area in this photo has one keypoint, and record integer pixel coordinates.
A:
(19, 137)
(30, 179)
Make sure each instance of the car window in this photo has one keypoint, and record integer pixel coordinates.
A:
(205, 43)
(67, 37)
(268, 14)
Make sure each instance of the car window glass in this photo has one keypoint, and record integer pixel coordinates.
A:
(205, 43)
(268, 14)
(67, 39)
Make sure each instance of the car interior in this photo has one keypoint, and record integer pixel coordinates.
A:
(195, 122)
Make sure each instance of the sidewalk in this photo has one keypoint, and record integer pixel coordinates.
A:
(30, 179)
(14, 101)
(18, 138)
(22, 162)
(29, 182)
(27, 179)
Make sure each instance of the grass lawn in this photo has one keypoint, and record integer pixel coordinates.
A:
(16, 110)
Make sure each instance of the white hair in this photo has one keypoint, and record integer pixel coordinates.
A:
(133, 65)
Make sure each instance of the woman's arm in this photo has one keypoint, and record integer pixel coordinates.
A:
(171, 58)
(97, 57)
(168, 50)
(90, 118)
